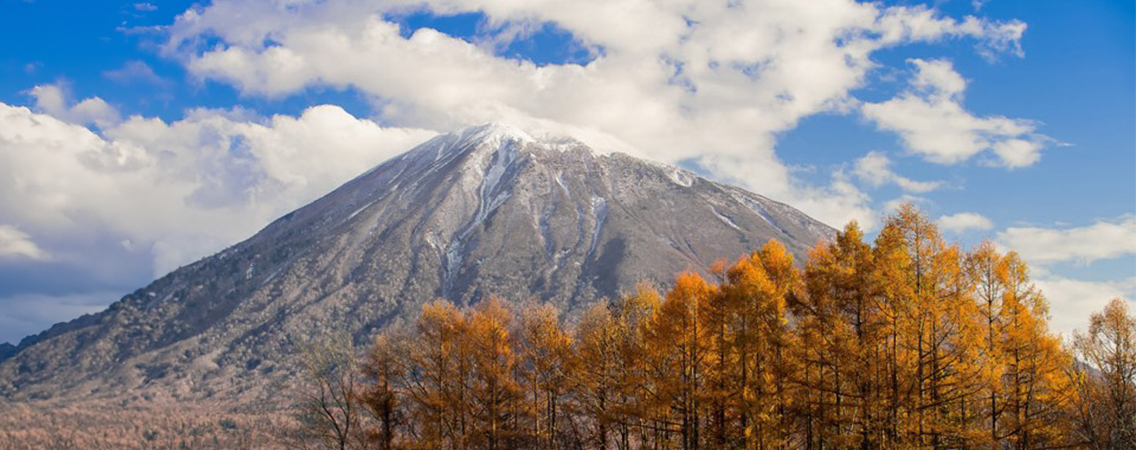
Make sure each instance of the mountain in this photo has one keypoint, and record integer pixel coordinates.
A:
(488, 210)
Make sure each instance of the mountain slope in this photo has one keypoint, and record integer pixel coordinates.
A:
(486, 210)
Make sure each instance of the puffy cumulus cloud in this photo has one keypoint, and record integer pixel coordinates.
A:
(710, 84)
(964, 221)
(174, 192)
(53, 99)
(1099, 241)
(875, 169)
(17, 244)
(1074, 300)
(931, 121)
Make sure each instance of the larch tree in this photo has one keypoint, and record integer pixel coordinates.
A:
(760, 287)
(1035, 382)
(984, 268)
(719, 317)
(494, 400)
(632, 315)
(548, 370)
(893, 300)
(678, 351)
(842, 342)
(1106, 401)
(598, 386)
(437, 383)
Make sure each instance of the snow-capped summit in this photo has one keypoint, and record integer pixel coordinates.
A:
(487, 210)
(494, 132)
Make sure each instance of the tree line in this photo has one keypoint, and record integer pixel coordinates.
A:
(903, 342)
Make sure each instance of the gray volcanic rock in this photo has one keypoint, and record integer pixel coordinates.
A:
(489, 210)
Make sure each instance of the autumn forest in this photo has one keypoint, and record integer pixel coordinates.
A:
(901, 342)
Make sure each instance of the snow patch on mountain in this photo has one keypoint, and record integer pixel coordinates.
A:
(681, 177)
(599, 211)
(560, 182)
(726, 219)
(494, 135)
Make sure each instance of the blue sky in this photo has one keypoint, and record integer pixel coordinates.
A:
(137, 137)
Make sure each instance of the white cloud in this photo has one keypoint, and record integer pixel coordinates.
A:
(1100, 241)
(932, 122)
(875, 169)
(17, 244)
(711, 83)
(184, 189)
(964, 221)
(1019, 152)
(836, 204)
(52, 99)
(145, 7)
(1071, 301)
(892, 206)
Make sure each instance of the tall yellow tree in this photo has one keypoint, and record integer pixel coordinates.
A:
(495, 394)
(678, 349)
(612, 384)
(1035, 383)
(985, 268)
(931, 317)
(548, 367)
(893, 300)
(437, 377)
(841, 329)
(598, 387)
(759, 288)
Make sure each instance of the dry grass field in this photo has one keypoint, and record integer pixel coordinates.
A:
(94, 426)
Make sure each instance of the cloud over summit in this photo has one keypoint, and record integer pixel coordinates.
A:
(676, 81)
